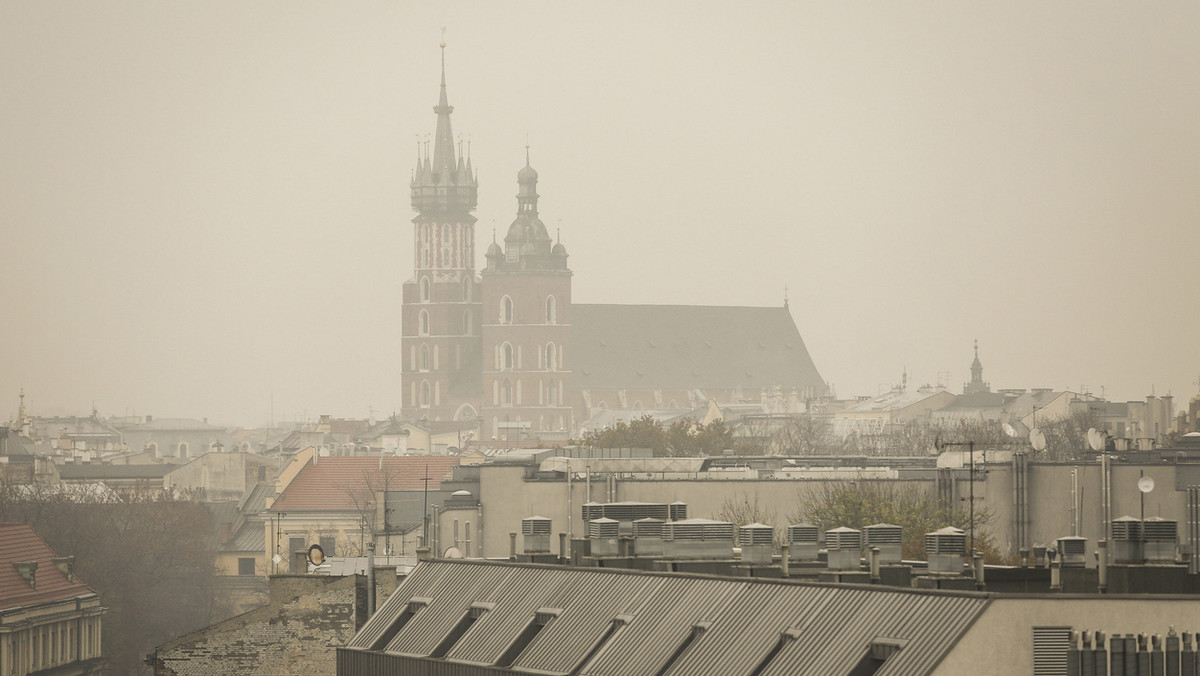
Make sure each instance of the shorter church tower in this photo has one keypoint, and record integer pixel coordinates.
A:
(526, 326)
(976, 386)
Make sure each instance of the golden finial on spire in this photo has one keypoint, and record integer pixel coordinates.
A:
(443, 45)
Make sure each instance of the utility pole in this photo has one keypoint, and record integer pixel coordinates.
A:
(425, 512)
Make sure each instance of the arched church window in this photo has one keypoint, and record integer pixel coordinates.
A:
(506, 393)
(424, 357)
(183, 450)
(423, 324)
(551, 357)
(506, 310)
(506, 357)
(424, 289)
(466, 322)
(551, 310)
(424, 394)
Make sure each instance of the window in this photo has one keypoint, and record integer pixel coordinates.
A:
(423, 325)
(551, 310)
(424, 289)
(506, 310)
(424, 357)
(424, 394)
(506, 357)
(466, 322)
(152, 449)
(411, 609)
(551, 357)
(183, 450)
(506, 393)
(328, 544)
(246, 565)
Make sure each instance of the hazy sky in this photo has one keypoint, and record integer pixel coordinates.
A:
(204, 205)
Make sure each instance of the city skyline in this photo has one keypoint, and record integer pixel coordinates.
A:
(207, 209)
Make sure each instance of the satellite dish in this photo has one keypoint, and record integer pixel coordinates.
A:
(1145, 484)
(1095, 439)
(1037, 440)
(1008, 429)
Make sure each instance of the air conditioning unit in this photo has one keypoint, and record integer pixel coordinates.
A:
(1127, 540)
(843, 548)
(945, 549)
(803, 542)
(699, 539)
(604, 534)
(1161, 538)
(1072, 551)
(758, 543)
(648, 537)
(887, 538)
(536, 533)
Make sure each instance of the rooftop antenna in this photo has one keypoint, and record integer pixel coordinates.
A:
(785, 296)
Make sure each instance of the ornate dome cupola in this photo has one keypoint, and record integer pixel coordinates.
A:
(527, 236)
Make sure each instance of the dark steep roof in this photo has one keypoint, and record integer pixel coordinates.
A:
(689, 347)
(829, 628)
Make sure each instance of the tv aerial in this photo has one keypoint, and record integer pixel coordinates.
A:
(1037, 439)
(1095, 439)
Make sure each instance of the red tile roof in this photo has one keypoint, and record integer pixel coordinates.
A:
(18, 542)
(331, 483)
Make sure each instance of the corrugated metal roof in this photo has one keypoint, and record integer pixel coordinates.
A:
(830, 627)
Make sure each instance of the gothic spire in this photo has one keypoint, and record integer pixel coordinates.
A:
(443, 146)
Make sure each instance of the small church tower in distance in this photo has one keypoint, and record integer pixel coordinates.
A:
(440, 337)
(526, 326)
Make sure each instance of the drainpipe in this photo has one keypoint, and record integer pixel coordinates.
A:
(512, 545)
(1102, 566)
(370, 579)
(563, 550)
(1055, 572)
(467, 552)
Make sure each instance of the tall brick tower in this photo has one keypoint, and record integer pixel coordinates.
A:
(526, 326)
(440, 337)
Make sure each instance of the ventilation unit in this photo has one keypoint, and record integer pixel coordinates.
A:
(1127, 540)
(1161, 537)
(1072, 551)
(699, 539)
(803, 542)
(844, 548)
(945, 549)
(536, 531)
(648, 537)
(758, 543)
(592, 510)
(604, 534)
(887, 538)
(677, 511)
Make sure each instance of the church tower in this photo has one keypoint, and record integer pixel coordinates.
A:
(526, 326)
(976, 386)
(440, 336)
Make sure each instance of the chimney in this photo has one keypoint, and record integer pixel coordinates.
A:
(28, 571)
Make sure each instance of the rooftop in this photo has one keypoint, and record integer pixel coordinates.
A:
(333, 482)
(19, 542)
